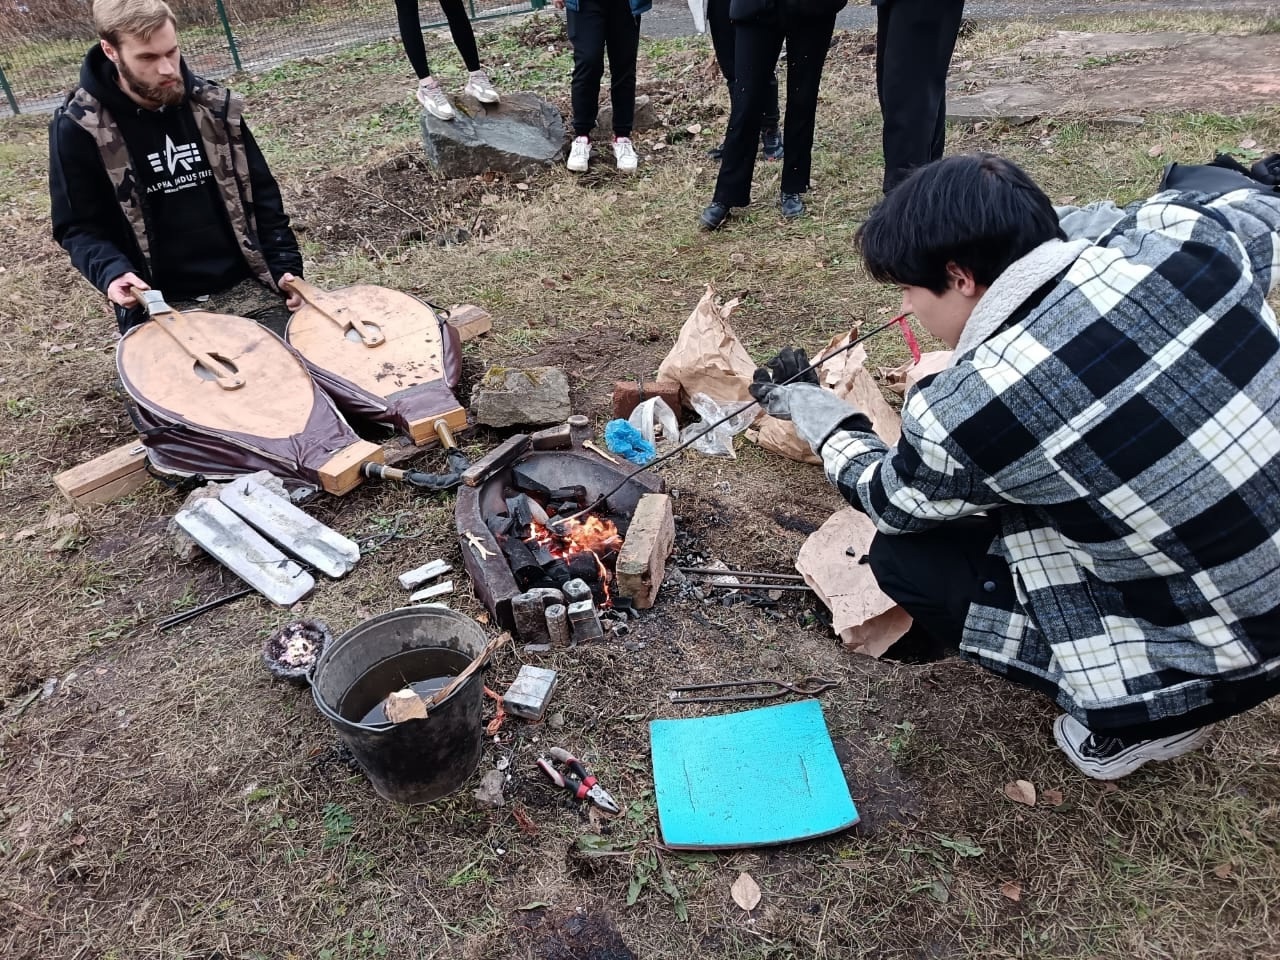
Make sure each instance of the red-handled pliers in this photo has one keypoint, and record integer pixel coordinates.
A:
(579, 781)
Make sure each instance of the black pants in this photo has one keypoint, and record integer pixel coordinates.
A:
(755, 56)
(937, 573)
(464, 37)
(914, 42)
(723, 39)
(597, 27)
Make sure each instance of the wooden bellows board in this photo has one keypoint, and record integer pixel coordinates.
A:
(219, 395)
(381, 354)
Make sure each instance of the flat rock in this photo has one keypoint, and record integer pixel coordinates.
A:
(518, 136)
(506, 396)
(646, 117)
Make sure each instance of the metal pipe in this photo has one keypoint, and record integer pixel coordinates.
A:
(185, 615)
(759, 586)
(739, 573)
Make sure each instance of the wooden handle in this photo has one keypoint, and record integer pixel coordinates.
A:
(177, 326)
(336, 312)
(472, 667)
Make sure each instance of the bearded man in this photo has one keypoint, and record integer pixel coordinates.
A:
(155, 179)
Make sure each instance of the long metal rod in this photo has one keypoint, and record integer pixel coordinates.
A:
(557, 521)
(185, 615)
(720, 572)
(759, 586)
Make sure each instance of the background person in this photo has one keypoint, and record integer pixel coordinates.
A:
(761, 28)
(723, 41)
(1087, 500)
(430, 94)
(914, 43)
(155, 179)
(597, 28)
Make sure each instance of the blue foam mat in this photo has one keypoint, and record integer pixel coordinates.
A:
(749, 779)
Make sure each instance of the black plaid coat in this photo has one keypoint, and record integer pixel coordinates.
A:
(1125, 430)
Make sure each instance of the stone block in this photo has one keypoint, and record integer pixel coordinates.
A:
(646, 118)
(558, 624)
(528, 611)
(584, 621)
(642, 561)
(507, 396)
(519, 136)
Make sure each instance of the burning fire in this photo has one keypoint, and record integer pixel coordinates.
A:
(595, 536)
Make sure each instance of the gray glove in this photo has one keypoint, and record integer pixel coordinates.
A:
(816, 413)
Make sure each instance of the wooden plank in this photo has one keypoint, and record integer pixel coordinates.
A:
(86, 483)
(245, 552)
(421, 431)
(342, 472)
(469, 320)
(496, 459)
(300, 533)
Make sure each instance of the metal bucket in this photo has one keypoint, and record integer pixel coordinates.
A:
(420, 760)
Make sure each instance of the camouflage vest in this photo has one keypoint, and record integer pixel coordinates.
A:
(217, 113)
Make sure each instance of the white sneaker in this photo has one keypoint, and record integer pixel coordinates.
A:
(433, 99)
(579, 154)
(478, 86)
(626, 154)
(1109, 758)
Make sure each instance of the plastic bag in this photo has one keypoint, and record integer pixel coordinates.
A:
(717, 442)
(653, 415)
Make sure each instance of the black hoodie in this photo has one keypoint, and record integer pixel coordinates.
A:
(193, 248)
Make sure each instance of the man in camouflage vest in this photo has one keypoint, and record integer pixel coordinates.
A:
(156, 181)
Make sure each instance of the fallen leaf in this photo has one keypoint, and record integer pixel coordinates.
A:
(1155, 151)
(1021, 791)
(1011, 890)
(522, 186)
(659, 146)
(1223, 870)
(1052, 797)
(80, 839)
(1248, 143)
(1109, 787)
(548, 283)
(737, 258)
(534, 905)
(24, 534)
(694, 128)
(746, 892)
(482, 618)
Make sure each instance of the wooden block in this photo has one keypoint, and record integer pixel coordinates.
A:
(114, 474)
(342, 473)
(499, 457)
(424, 430)
(469, 320)
(642, 561)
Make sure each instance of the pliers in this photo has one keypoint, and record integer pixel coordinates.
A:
(578, 781)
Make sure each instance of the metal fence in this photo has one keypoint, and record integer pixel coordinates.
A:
(43, 41)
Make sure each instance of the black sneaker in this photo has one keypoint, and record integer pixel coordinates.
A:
(791, 205)
(715, 153)
(714, 216)
(1110, 758)
(771, 143)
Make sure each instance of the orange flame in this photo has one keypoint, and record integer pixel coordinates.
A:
(595, 536)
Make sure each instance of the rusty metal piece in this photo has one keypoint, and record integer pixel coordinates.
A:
(805, 686)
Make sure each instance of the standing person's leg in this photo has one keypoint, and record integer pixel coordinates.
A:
(808, 39)
(464, 38)
(722, 41)
(914, 43)
(586, 27)
(755, 54)
(622, 40)
(430, 94)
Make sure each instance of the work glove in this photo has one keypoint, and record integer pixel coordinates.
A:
(816, 413)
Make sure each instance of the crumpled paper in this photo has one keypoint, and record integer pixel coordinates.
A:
(847, 376)
(866, 619)
(708, 357)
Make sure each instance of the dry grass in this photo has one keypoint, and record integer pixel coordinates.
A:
(169, 800)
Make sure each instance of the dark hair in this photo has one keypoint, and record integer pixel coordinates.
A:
(978, 211)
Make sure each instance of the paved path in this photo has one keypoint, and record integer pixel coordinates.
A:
(671, 18)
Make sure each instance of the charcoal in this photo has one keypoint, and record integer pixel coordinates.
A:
(521, 515)
(524, 568)
(558, 572)
(521, 480)
(499, 524)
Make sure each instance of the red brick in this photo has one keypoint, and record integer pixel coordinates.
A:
(627, 395)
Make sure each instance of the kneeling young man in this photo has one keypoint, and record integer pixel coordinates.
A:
(155, 179)
(1087, 500)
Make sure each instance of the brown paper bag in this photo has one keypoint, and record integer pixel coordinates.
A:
(866, 619)
(708, 357)
(848, 377)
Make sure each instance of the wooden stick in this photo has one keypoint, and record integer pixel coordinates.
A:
(175, 324)
(316, 298)
(472, 667)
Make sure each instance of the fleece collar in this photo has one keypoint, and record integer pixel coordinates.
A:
(1022, 278)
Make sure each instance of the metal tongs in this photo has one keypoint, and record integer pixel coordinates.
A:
(805, 686)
